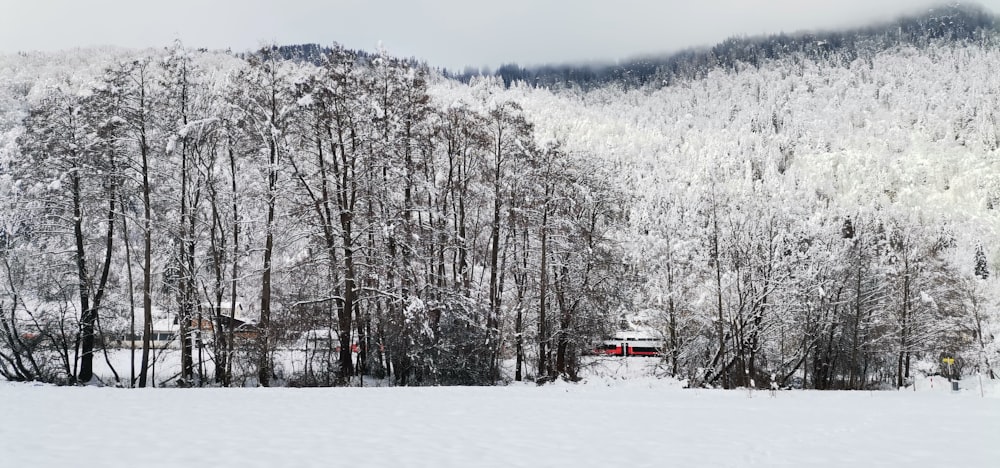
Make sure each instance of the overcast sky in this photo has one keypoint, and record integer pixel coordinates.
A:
(447, 33)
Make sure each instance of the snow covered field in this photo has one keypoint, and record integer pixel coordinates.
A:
(604, 422)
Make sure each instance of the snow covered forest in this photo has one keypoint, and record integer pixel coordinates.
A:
(821, 209)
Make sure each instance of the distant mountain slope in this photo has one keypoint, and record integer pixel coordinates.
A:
(316, 54)
(960, 23)
(908, 134)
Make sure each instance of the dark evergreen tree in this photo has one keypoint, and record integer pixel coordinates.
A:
(982, 269)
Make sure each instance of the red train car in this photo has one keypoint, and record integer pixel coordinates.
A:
(634, 338)
(630, 344)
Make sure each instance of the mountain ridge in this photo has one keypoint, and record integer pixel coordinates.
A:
(949, 22)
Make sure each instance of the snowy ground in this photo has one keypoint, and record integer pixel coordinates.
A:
(607, 422)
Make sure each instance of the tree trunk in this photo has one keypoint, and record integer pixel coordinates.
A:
(147, 257)
(234, 278)
(264, 324)
(543, 284)
(88, 318)
(720, 319)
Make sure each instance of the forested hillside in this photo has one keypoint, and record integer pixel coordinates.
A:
(832, 219)
(823, 218)
(948, 22)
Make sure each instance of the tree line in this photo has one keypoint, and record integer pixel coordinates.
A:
(339, 196)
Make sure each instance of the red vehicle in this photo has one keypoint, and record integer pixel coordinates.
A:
(623, 345)
(635, 338)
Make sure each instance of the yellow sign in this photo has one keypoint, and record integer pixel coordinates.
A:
(948, 360)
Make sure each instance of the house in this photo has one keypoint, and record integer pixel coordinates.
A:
(239, 320)
(164, 335)
(166, 325)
